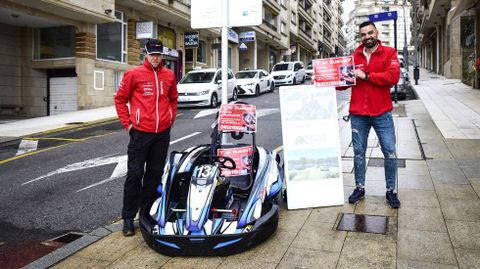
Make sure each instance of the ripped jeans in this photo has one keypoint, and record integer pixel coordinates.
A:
(385, 130)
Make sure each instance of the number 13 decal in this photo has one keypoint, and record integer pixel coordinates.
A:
(204, 171)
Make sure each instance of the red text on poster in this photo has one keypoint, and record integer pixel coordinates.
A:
(242, 158)
(237, 118)
(334, 72)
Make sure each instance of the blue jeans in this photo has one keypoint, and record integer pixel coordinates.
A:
(385, 130)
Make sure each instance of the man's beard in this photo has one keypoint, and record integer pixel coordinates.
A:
(371, 44)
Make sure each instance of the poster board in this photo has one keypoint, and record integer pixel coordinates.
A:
(208, 14)
(334, 71)
(237, 118)
(311, 146)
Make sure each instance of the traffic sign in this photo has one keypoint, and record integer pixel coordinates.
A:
(385, 16)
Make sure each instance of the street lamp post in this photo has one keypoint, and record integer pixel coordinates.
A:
(416, 71)
(405, 49)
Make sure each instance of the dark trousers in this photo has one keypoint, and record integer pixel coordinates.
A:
(146, 159)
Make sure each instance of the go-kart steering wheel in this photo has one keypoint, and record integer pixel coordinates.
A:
(224, 159)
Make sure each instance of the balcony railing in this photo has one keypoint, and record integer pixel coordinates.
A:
(269, 25)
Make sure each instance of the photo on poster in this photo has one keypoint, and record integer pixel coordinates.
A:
(313, 164)
(346, 75)
(308, 106)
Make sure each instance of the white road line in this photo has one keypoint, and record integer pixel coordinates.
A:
(27, 146)
(185, 137)
(205, 112)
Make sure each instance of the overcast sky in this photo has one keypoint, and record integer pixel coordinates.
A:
(347, 7)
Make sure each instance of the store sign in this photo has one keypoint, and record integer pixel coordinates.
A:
(242, 156)
(311, 146)
(190, 40)
(243, 47)
(247, 36)
(170, 52)
(145, 30)
(232, 36)
(334, 72)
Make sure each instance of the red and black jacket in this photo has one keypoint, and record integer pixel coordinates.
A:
(372, 97)
(152, 95)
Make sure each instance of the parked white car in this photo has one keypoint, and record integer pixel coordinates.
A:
(254, 82)
(288, 73)
(204, 88)
(309, 71)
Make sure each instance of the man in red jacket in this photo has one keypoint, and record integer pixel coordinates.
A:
(376, 68)
(151, 92)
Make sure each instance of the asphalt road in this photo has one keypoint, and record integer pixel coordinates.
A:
(74, 181)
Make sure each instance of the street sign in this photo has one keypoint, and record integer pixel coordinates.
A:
(385, 16)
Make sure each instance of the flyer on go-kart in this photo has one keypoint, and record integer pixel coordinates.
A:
(334, 72)
(242, 158)
(238, 118)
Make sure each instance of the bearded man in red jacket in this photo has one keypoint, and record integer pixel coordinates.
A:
(376, 68)
(151, 92)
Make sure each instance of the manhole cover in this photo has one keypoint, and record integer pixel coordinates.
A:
(379, 162)
(363, 223)
(67, 238)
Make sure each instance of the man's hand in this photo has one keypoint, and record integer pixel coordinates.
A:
(359, 74)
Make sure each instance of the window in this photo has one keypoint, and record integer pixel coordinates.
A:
(270, 19)
(54, 42)
(294, 17)
(112, 39)
(189, 55)
(117, 79)
(283, 28)
(202, 52)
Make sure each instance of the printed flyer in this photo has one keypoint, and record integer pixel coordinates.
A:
(334, 72)
(238, 118)
(242, 158)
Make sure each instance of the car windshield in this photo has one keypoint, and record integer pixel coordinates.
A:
(309, 66)
(241, 75)
(198, 77)
(283, 67)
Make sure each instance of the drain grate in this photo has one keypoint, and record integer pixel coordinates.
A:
(363, 223)
(67, 238)
(379, 162)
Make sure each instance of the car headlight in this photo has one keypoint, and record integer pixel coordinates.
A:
(202, 92)
(289, 75)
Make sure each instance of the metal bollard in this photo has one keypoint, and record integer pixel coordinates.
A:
(416, 74)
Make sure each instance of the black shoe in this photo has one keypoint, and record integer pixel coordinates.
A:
(357, 195)
(392, 199)
(128, 227)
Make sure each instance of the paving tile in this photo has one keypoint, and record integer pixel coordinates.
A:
(234, 264)
(422, 182)
(308, 258)
(375, 205)
(362, 250)
(330, 214)
(270, 251)
(348, 179)
(141, 257)
(191, 262)
(468, 258)
(319, 236)
(414, 168)
(425, 246)
(112, 247)
(76, 261)
(418, 198)
(475, 183)
(472, 170)
(467, 210)
(421, 219)
(407, 264)
(455, 191)
(347, 166)
(292, 220)
(464, 234)
(375, 187)
(445, 176)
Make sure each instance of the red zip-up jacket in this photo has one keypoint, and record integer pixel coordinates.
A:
(152, 95)
(372, 97)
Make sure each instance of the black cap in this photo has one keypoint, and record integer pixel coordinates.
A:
(153, 46)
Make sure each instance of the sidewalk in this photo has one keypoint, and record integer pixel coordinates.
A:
(438, 225)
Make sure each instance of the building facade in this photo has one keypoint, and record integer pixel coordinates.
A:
(447, 38)
(386, 29)
(64, 55)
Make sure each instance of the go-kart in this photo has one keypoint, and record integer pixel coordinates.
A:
(212, 204)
